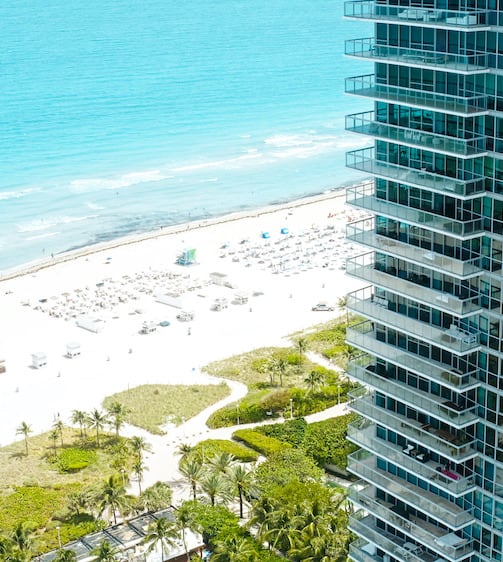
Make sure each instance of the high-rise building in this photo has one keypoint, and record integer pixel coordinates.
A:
(430, 431)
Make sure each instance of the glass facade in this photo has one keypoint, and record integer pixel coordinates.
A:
(430, 339)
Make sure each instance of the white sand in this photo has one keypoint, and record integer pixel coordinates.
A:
(309, 271)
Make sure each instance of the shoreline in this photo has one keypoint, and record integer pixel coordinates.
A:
(85, 251)
(135, 281)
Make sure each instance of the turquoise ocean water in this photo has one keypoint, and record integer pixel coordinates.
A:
(120, 116)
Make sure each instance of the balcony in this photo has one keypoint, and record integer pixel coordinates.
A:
(366, 86)
(434, 538)
(457, 446)
(364, 196)
(363, 337)
(458, 415)
(383, 312)
(363, 434)
(364, 160)
(363, 232)
(373, 11)
(364, 267)
(363, 551)
(399, 549)
(448, 513)
(463, 61)
(365, 124)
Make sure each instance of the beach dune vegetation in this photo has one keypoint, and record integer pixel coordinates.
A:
(153, 406)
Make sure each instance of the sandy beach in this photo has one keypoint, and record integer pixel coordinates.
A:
(266, 286)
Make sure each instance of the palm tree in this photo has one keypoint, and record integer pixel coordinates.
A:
(156, 497)
(222, 462)
(215, 486)
(21, 538)
(342, 306)
(5, 547)
(313, 380)
(80, 501)
(184, 517)
(118, 413)
(24, 429)
(235, 549)
(54, 435)
(281, 367)
(65, 555)
(79, 417)
(58, 426)
(240, 478)
(97, 420)
(162, 532)
(113, 496)
(270, 368)
(105, 552)
(192, 470)
(139, 468)
(184, 449)
(139, 446)
(278, 529)
(302, 347)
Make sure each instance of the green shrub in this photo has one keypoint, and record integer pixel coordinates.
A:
(31, 504)
(215, 522)
(212, 447)
(261, 443)
(292, 431)
(275, 402)
(69, 530)
(74, 459)
(326, 441)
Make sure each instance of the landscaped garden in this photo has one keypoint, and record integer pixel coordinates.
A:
(284, 381)
(70, 481)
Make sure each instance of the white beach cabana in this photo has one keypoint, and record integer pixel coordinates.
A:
(72, 349)
(90, 323)
(38, 359)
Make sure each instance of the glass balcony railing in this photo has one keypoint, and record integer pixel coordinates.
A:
(409, 285)
(470, 104)
(359, 551)
(380, 11)
(365, 436)
(364, 160)
(364, 196)
(434, 538)
(362, 336)
(365, 124)
(363, 232)
(362, 463)
(458, 415)
(463, 60)
(364, 526)
(457, 446)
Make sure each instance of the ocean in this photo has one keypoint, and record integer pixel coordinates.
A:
(119, 117)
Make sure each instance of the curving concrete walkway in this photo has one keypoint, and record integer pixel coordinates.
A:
(162, 463)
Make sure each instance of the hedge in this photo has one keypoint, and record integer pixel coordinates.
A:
(211, 447)
(261, 443)
(291, 431)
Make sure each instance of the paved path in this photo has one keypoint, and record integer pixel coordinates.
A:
(162, 462)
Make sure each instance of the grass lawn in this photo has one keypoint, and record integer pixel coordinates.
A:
(33, 490)
(17, 469)
(154, 405)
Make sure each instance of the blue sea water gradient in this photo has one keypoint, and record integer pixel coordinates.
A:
(121, 116)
